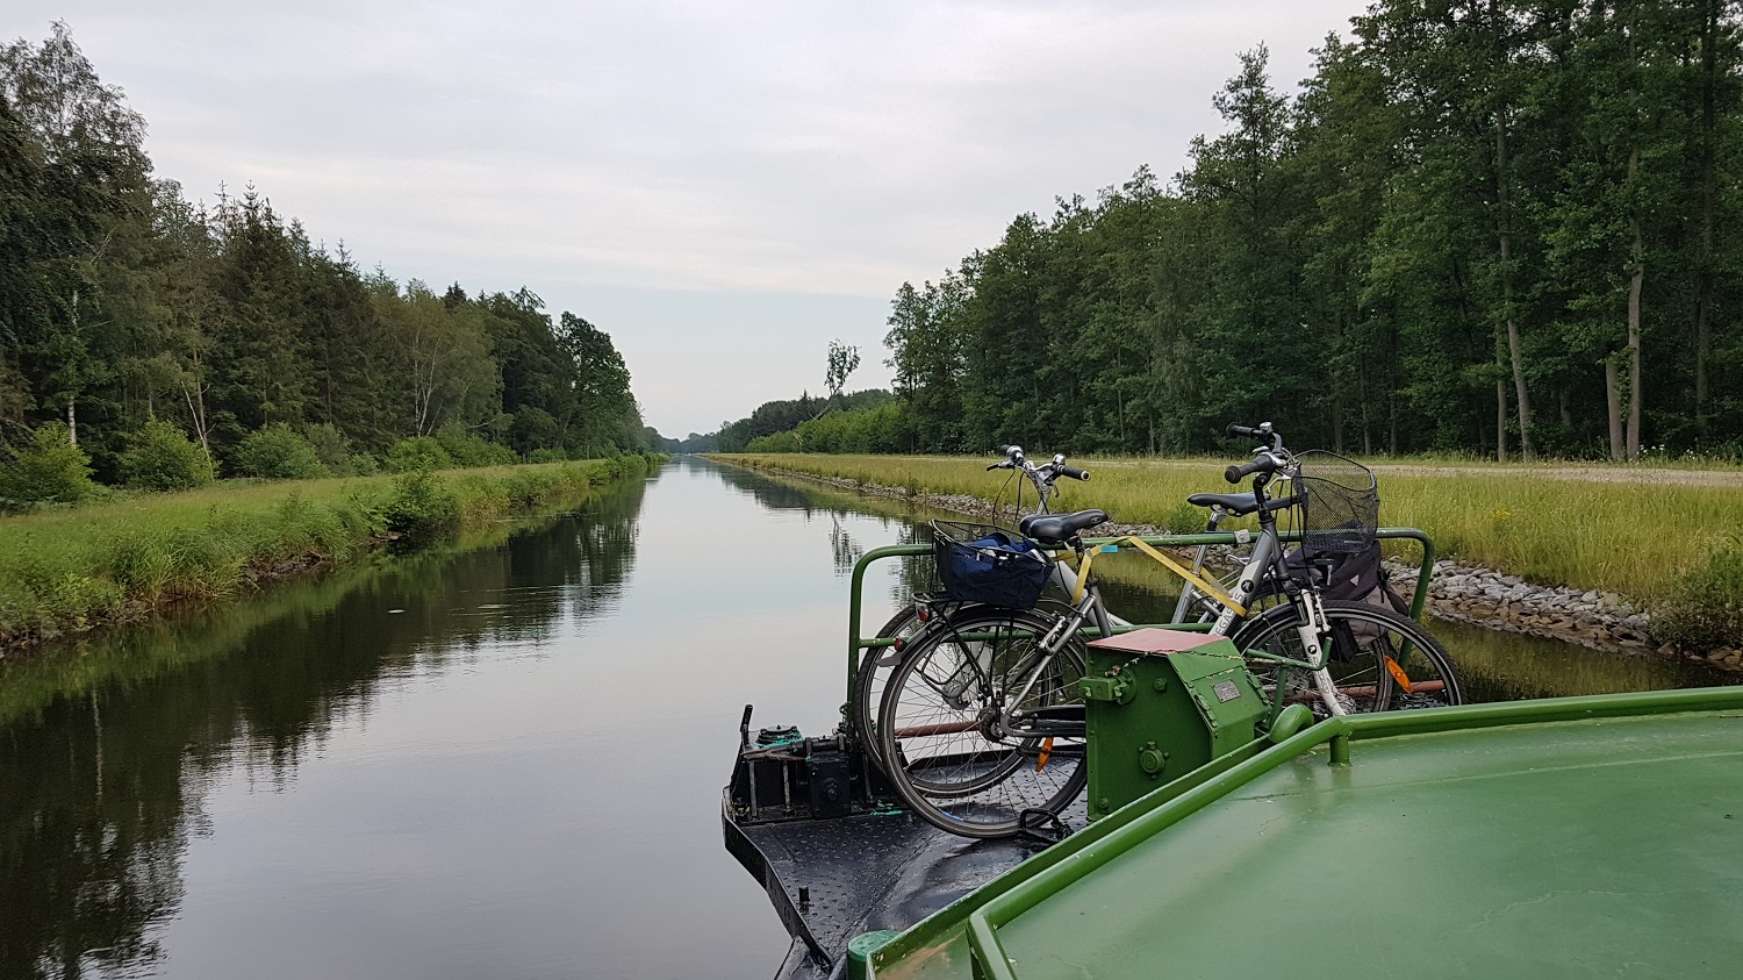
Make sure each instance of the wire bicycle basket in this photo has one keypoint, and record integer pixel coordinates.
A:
(987, 564)
(1339, 504)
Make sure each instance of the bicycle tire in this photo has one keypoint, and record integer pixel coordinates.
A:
(1377, 635)
(990, 799)
(992, 775)
(867, 690)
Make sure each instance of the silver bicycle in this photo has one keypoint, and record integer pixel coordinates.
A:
(980, 718)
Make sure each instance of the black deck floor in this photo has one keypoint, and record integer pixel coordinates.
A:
(863, 873)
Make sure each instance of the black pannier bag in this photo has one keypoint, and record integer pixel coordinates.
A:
(1352, 578)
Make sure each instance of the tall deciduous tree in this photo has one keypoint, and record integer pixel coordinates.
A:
(92, 172)
(1474, 215)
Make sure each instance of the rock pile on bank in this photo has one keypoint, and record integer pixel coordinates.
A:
(1592, 619)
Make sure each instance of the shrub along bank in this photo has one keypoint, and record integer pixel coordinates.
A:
(71, 569)
(48, 468)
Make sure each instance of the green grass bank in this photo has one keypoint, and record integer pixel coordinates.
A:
(1672, 543)
(69, 570)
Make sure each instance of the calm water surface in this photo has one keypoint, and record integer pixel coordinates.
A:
(497, 762)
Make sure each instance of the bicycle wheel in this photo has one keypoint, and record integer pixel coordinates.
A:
(934, 780)
(874, 668)
(1378, 659)
(944, 745)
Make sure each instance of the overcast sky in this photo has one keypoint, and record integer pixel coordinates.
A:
(721, 187)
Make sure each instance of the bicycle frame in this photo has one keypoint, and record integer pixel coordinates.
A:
(1044, 486)
(1193, 579)
(954, 685)
(1188, 593)
(857, 642)
(1271, 461)
(1267, 553)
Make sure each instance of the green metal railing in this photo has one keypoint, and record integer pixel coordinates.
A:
(857, 643)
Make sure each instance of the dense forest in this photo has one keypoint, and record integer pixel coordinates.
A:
(130, 315)
(1501, 227)
(785, 418)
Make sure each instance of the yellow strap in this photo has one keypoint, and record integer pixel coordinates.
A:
(1083, 575)
(1209, 588)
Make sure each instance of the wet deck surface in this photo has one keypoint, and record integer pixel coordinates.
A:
(872, 872)
(1610, 847)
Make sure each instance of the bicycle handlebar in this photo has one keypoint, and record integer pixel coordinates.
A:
(1045, 473)
(1263, 463)
(1262, 432)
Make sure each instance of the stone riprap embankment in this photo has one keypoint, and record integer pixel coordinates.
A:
(1463, 593)
(1596, 620)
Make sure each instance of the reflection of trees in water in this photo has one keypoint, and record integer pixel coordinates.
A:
(579, 566)
(776, 495)
(605, 549)
(103, 789)
(916, 574)
(844, 549)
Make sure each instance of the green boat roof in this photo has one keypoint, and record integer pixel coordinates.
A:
(1567, 837)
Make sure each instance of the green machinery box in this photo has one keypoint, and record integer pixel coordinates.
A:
(1158, 704)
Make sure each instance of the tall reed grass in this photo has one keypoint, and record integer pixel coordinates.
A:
(1638, 539)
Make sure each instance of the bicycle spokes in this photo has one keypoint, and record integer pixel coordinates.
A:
(974, 762)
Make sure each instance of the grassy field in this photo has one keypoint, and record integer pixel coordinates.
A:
(1640, 537)
(67, 570)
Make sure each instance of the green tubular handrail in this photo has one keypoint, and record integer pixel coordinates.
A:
(856, 643)
(982, 924)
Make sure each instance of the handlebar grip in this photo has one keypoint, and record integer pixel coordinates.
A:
(1243, 430)
(1074, 472)
(1263, 464)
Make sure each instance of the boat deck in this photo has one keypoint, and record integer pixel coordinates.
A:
(1609, 845)
(831, 880)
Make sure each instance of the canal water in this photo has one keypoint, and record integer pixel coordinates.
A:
(500, 761)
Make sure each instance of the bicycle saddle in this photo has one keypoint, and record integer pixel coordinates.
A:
(1054, 528)
(1234, 503)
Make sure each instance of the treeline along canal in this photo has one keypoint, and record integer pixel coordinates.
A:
(503, 761)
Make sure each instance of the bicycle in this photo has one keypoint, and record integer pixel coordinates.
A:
(908, 620)
(981, 713)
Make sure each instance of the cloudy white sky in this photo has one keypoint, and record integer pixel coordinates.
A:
(722, 187)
